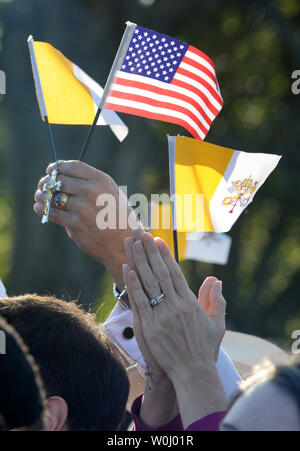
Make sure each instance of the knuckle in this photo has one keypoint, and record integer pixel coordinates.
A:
(163, 274)
(71, 165)
(135, 286)
(37, 195)
(76, 222)
(61, 178)
(141, 258)
(103, 181)
(174, 273)
(42, 181)
(80, 208)
(53, 214)
(88, 191)
(151, 285)
(103, 176)
(152, 250)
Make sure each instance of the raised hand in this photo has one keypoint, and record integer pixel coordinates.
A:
(183, 339)
(83, 184)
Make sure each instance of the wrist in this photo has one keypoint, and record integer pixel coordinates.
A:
(159, 405)
(113, 255)
(113, 265)
(199, 392)
(161, 382)
(188, 374)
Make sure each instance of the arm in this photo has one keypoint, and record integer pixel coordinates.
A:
(84, 184)
(174, 425)
(184, 340)
(159, 404)
(199, 392)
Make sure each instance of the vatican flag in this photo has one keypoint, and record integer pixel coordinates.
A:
(198, 246)
(211, 185)
(66, 94)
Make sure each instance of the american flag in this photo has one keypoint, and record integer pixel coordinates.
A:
(165, 79)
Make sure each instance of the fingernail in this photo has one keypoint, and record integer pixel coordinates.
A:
(37, 208)
(131, 274)
(138, 245)
(148, 235)
(49, 168)
(37, 195)
(129, 239)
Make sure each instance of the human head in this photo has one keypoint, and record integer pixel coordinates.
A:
(269, 400)
(21, 393)
(86, 385)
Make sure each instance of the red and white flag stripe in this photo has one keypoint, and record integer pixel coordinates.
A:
(192, 99)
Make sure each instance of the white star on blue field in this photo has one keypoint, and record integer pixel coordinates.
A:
(153, 55)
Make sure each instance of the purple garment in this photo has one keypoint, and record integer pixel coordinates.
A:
(209, 423)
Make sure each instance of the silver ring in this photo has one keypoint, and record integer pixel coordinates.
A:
(157, 300)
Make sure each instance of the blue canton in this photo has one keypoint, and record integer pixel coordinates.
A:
(153, 55)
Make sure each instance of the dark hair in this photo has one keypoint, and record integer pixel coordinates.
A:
(76, 360)
(21, 392)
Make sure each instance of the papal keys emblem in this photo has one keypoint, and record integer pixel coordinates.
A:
(241, 191)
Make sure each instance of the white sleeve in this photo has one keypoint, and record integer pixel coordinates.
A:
(115, 328)
(229, 375)
(120, 321)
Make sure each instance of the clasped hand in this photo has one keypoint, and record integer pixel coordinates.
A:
(182, 333)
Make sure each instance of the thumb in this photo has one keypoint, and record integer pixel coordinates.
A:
(204, 293)
(217, 303)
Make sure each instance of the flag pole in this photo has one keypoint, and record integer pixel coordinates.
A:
(171, 142)
(90, 134)
(175, 244)
(40, 95)
(50, 137)
(130, 27)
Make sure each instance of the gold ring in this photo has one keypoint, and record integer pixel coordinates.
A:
(61, 200)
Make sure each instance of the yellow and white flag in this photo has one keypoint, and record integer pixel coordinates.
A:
(65, 93)
(213, 184)
(199, 246)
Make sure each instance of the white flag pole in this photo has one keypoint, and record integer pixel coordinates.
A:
(40, 95)
(171, 143)
(130, 27)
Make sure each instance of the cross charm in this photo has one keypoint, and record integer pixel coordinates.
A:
(49, 188)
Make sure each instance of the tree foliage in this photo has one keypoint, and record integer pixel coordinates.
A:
(255, 46)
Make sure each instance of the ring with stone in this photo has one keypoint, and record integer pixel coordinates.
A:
(61, 200)
(157, 300)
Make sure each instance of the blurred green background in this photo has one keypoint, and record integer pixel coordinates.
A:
(256, 47)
